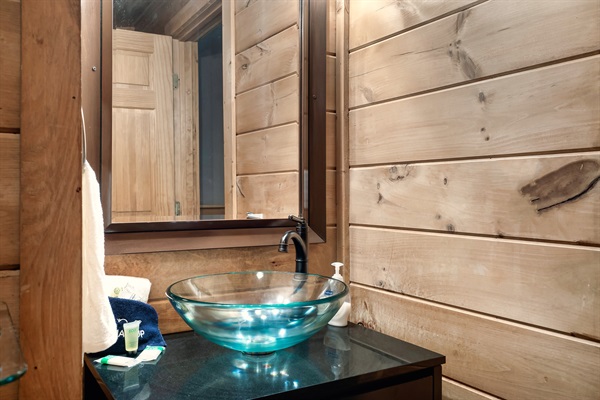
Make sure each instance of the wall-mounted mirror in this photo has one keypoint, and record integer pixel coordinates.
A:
(213, 114)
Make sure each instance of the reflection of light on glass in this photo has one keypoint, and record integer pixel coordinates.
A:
(260, 274)
(296, 384)
(283, 372)
(263, 317)
(246, 316)
(258, 312)
(282, 332)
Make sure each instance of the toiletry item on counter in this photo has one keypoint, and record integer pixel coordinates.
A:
(127, 287)
(151, 353)
(131, 331)
(120, 361)
(126, 311)
(341, 317)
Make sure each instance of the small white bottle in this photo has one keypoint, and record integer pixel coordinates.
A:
(341, 317)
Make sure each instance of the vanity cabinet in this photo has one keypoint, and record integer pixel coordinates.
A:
(351, 363)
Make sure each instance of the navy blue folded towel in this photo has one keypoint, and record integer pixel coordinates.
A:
(126, 310)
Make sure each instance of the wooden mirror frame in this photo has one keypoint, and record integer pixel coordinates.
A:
(136, 237)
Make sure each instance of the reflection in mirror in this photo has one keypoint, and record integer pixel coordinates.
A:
(191, 160)
(169, 160)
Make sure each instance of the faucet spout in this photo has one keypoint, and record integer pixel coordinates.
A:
(301, 250)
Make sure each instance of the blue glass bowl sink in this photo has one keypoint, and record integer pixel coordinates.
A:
(257, 312)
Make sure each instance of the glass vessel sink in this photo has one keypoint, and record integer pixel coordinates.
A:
(257, 312)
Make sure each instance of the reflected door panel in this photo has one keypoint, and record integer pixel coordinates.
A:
(142, 123)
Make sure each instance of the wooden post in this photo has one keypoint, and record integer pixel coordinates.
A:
(51, 171)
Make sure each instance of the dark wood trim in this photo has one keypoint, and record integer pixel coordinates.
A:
(226, 233)
(317, 43)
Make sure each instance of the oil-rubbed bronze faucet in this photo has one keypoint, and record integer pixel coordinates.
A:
(299, 237)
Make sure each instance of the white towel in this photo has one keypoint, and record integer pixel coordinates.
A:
(99, 325)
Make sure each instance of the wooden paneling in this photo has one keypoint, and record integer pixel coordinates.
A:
(51, 225)
(185, 131)
(260, 19)
(269, 60)
(274, 104)
(274, 195)
(549, 197)
(269, 150)
(452, 390)
(9, 200)
(330, 30)
(547, 109)
(10, 65)
(375, 19)
(491, 38)
(553, 286)
(330, 83)
(9, 294)
(503, 358)
(330, 125)
(330, 195)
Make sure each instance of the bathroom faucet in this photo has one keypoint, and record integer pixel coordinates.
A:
(299, 237)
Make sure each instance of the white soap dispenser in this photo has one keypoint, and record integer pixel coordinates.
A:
(337, 265)
(341, 317)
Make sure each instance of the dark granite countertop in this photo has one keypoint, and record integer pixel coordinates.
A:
(333, 361)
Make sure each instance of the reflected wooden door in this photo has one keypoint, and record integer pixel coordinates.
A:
(142, 126)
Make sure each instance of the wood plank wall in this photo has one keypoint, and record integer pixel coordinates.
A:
(267, 87)
(474, 131)
(10, 124)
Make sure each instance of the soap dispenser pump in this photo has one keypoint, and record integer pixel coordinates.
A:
(341, 317)
(337, 265)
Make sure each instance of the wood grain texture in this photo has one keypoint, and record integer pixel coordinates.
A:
(186, 122)
(547, 109)
(552, 286)
(10, 65)
(452, 390)
(330, 83)
(273, 104)
(276, 103)
(229, 106)
(331, 27)
(485, 197)
(9, 294)
(330, 132)
(9, 199)
(51, 225)
(269, 60)
(488, 39)
(507, 359)
(330, 197)
(257, 20)
(375, 19)
(273, 195)
(269, 150)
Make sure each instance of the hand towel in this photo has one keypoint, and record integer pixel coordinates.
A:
(126, 310)
(98, 324)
